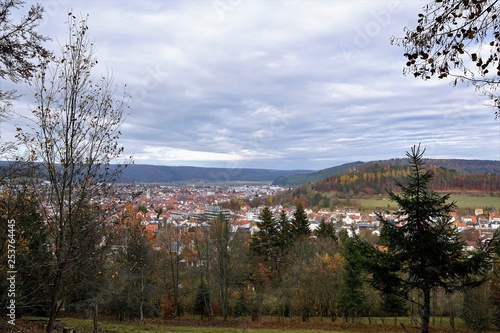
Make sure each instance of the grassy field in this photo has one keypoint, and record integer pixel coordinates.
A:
(476, 202)
(218, 326)
(463, 202)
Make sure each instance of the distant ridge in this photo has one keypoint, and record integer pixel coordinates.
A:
(143, 173)
(468, 166)
(298, 179)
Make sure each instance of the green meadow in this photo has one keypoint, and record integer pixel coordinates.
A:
(466, 202)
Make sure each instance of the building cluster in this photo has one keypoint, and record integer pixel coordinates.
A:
(191, 206)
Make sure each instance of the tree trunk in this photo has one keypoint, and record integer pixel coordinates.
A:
(452, 321)
(225, 302)
(174, 270)
(96, 316)
(54, 307)
(426, 311)
(142, 296)
(176, 287)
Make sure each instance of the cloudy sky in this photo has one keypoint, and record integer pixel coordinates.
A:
(281, 84)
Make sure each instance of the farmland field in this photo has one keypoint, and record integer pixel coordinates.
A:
(463, 202)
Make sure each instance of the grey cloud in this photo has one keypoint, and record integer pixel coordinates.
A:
(280, 84)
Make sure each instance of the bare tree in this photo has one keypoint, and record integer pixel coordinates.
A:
(203, 303)
(20, 46)
(222, 239)
(228, 260)
(170, 240)
(459, 40)
(74, 138)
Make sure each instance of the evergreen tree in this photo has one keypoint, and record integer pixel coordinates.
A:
(202, 301)
(285, 228)
(32, 250)
(424, 250)
(263, 242)
(392, 305)
(300, 223)
(282, 243)
(326, 230)
(271, 243)
(351, 293)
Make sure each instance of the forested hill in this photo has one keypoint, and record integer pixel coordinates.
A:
(142, 173)
(366, 181)
(466, 166)
(376, 178)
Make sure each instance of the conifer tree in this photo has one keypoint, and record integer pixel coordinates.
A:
(284, 226)
(263, 241)
(326, 230)
(300, 223)
(265, 244)
(32, 252)
(271, 243)
(202, 300)
(351, 292)
(424, 250)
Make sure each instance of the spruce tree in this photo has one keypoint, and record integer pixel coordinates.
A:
(326, 230)
(284, 228)
(424, 250)
(202, 301)
(283, 242)
(271, 243)
(263, 241)
(352, 295)
(300, 223)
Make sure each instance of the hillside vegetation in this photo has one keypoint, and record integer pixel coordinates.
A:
(461, 165)
(373, 179)
(376, 178)
(181, 174)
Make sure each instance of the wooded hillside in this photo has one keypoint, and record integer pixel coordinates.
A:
(375, 178)
(369, 180)
(466, 166)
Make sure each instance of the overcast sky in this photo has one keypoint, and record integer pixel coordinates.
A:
(291, 84)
